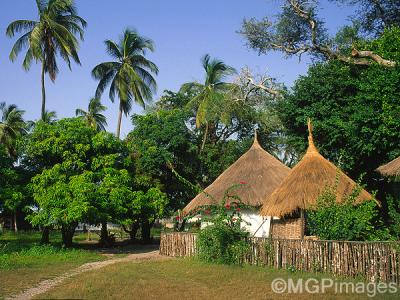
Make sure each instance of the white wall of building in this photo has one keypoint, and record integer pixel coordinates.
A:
(257, 225)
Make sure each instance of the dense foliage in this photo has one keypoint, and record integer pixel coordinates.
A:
(58, 173)
(355, 112)
(348, 220)
(223, 240)
(84, 179)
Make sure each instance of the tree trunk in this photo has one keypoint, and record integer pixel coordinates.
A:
(88, 234)
(45, 235)
(67, 232)
(43, 110)
(146, 227)
(132, 231)
(15, 222)
(104, 234)
(212, 133)
(119, 120)
(204, 138)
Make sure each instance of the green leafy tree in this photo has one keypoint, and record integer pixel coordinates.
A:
(13, 193)
(93, 116)
(160, 143)
(7, 176)
(12, 125)
(355, 111)
(51, 35)
(112, 180)
(61, 153)
(130, 75)
(142, 209)
(298, 30)
(81, 179)
(62, 199)
(374, 16)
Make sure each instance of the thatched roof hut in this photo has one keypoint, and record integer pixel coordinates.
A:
(260, 171)
(391, 169)
(305, 183)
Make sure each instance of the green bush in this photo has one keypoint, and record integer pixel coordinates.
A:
(347, 220)
(221, 243)
(394, 216)
(224, 240)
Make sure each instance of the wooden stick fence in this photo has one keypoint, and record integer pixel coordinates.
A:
(373, 261)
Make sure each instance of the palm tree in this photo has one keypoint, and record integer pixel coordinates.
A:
(51, 35)
(93, 116)
(209, 95)
(11, 126)
(129, 75)
(49, 118)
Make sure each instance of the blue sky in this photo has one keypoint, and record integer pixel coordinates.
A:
(183, 31)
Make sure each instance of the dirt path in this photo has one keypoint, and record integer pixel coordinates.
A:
(48, 284)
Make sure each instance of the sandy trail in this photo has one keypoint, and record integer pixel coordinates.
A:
(48, 284)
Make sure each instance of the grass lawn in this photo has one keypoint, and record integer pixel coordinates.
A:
(23, 262)
(183, 279)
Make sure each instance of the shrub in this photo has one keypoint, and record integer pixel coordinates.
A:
(224, 240)
(221, 243)
(394, 216)
(347, 220)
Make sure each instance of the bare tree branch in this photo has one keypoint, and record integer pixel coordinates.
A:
(298, 30)
(246, 86)
(357, 57)
(373, 56)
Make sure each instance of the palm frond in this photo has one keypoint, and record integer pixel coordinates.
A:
(20, 25)
(80, 112)
(11, 126)
(113, 49)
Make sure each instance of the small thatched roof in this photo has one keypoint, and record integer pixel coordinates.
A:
(260, 171)
(305, 183)
(391, 169)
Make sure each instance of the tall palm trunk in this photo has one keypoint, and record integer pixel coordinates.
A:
(204, 138)
(43, 111)
(119, 120)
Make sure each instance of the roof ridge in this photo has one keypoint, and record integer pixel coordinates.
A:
(311, 145)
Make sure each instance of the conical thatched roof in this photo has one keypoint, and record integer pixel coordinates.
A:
(305, 183)
(260, 171)
(391, 169)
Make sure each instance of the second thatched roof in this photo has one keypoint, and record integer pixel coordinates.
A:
(259, 171)
(306, 182)
(391, 169)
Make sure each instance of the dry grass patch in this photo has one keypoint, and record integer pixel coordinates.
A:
(24, 263)
(181, 279)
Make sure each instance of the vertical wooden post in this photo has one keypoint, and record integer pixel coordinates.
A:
(302, 224)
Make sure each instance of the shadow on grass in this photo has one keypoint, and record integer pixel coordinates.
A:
(11, 242)
(120, 247)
